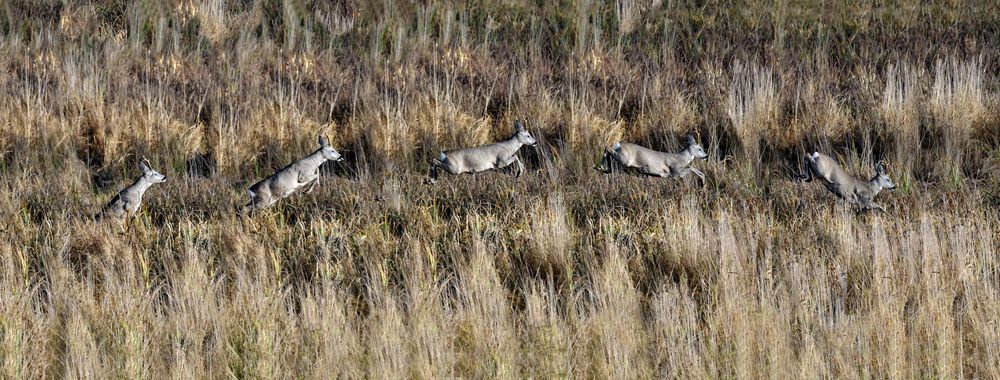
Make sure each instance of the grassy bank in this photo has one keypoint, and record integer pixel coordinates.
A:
(563, 272)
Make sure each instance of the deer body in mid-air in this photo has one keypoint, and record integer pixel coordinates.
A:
(127, 201)
(655, 163)
(844, 185)
(298, 175)
(484, 158)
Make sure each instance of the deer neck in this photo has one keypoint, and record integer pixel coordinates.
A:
(874, 185)
(314, 160)
(687, 156)
(140, 185)
(511, 145)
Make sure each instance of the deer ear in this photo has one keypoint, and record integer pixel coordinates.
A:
(518, 125)
(143, 167)
(690, 139)
(880, 167)
(323, 142)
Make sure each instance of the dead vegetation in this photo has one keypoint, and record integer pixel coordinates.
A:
(564, 272)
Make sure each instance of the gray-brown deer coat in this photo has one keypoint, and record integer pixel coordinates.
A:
(127, 201)
(655, 163)
(844, 185)
(297, 175)
(483, 158)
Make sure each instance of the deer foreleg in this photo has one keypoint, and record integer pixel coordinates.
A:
(869, 205)
(699, 174)
(688, 170)
(310, 186)
(520, 167)
(507, 162)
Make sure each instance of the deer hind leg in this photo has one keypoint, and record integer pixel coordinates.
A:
(606, 161)
(249, 207)
(125, 222)
(264, 203)
(432, 173)
(806, 175)
(614, 162)
(258, 201)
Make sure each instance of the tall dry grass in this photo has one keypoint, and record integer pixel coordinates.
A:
(563, 272)
(900, 108)
(957, 103)
(752, 108)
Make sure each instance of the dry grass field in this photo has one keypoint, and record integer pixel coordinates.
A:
(564, 272)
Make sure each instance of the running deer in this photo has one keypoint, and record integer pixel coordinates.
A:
(486, 157)
(127, 201)
(844, 185)
(655, 163)
(299, 174)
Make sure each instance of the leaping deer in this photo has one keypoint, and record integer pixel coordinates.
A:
(127, 201)
(655, 163)
(484, 158)
(299, 174)
(843, 185)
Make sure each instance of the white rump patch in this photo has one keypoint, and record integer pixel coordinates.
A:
(815, 155)
(252, 194)
(618, 145)
(442, 157)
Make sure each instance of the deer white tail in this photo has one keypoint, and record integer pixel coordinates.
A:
(617, 146)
